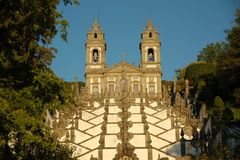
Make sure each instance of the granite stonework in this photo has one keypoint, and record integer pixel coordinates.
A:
(125, 112)
(151, 129)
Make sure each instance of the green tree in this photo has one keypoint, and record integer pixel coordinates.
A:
(233, 37)
(218, 104)
(197, 70)
(216, 79)
(180, 78)
(237, 151)
(229, 64)
(200, 86)
(28, 87)
(228, 115)
(212, 51)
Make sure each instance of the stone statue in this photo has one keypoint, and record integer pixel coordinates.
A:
(150, 57)
(95, 56)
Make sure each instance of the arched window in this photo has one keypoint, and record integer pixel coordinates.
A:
(150, 55)
(95, 56)
(95, 35)
(150, 34)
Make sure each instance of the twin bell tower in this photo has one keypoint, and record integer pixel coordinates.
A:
(123, 76)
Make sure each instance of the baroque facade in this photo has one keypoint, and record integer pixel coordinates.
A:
(126, 112)
(127, 127)
(100, 78)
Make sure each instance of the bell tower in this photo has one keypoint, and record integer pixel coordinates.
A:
(95, 58)
(150, 48)
(95, 48)
(151, 60)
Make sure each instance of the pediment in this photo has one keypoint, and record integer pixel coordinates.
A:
(123, 67)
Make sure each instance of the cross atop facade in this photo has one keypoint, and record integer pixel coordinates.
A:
(123, 56)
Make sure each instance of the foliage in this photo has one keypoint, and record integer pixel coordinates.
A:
(216, 80)
(180, 77)
(237, 151)
(212, 51)
(219, 68)
(229, 64)
(218, 152)
(23, 131)
(218, 104)
(201, 84)
(197, 70)
(236, 113)
(227, 153)
(181, 73)
(28, 87)
(207, 90)
(22, 114)
(236, 95)
(233, 37)
(69, 85)
(227, 115)
(202, 156)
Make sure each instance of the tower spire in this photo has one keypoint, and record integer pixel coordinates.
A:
(149, 26)
(96, 26)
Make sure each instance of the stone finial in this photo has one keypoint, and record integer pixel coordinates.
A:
(123, 57)
(178, 99)
(96, 27)
(149, 26)
(174, 84)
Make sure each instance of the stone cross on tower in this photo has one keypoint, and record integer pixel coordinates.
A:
(123, 56)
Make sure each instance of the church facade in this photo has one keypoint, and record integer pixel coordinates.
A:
(136, 116)
(123, 76)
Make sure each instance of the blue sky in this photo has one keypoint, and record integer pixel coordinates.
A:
(185, 27)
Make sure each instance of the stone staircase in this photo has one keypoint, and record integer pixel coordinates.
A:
(94, 132)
